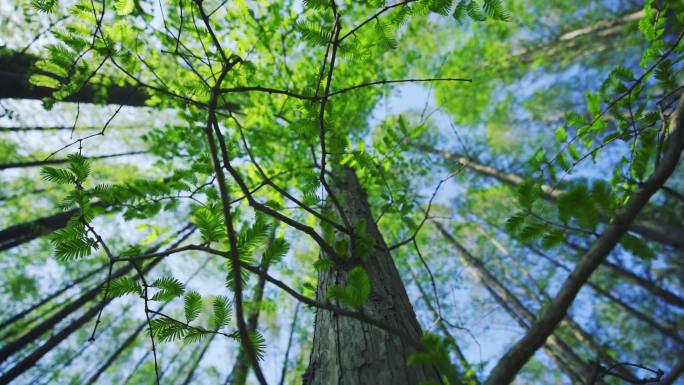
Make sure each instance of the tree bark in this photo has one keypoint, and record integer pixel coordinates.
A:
(650, 229)
(347, 351)
(506, 369)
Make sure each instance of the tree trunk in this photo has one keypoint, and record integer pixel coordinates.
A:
(49, 324)
(347, 351)
(47, 162)
(555, 346)
(666, 331)
(647, 284)
(510, 364)
(49, 298)
(241, 366)
(195, 365)
(17, 67)
(650, 229)
(24, 232)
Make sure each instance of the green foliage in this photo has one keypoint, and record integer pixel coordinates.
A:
(167, 329)
(357, 290)
(436, 354)
(169, 288)
(276, 251)
(637, 247)
(72, 242)
(222, 312)
(210, 222)
(192, 305)
(124, 285)
(124, 7)
(47, 6)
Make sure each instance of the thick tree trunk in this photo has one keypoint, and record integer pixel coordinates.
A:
(347, 351)
(48, 162)
(653, 230)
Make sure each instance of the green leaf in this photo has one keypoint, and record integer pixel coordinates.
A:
(170, 288)
(637, 247)
(527, 193)
(209, 221)
(222, 312)
(553, 238)
(166, 330)
(514, 223)
(357, 290)
(192, 305)
(124, 7)
(57, 175)
(276, 251)
(124, 285)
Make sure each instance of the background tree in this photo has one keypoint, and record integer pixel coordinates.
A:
(206, 167)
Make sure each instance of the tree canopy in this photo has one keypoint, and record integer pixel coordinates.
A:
(455, 192)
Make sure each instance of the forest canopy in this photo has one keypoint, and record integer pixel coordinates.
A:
(338, 192)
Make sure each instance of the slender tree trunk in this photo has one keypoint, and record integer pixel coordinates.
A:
(47, 162)
(131, 338)
(49, 324)
(49, 298)
(195, 365)
(347, 351)
(654, 230)
(24, 232)
(660, 292)
(510, 364)
(555, 346)
(241, 366)
(666, 331)
(469, 373)
(286, 360)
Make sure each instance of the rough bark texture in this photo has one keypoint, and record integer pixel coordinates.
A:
(350, 352)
